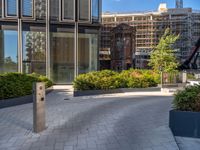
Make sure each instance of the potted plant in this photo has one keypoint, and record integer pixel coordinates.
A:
(184, 119)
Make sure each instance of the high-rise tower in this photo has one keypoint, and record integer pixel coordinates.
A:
(179, 3)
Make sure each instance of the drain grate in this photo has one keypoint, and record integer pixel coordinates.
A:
(66, 99)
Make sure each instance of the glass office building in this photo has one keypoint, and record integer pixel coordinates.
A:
(56, 38)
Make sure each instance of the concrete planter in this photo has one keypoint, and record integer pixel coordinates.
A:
(183, 123)
(19, 100)
(111, 91)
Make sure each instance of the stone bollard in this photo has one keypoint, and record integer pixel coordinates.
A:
(39, 122)
(184, 77)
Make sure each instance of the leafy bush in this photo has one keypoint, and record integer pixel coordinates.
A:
(17, 84)
(190, 76)
(188, 99)
(107, 79)
(95, 80)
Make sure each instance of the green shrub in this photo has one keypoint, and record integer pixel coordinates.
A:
(41, 78)
(96, 80)
(108, 79)
(17, 84)
(188, 99)
(190, 76)
(140, 78)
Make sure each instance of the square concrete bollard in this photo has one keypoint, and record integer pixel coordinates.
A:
(184, 77)
(39, 122)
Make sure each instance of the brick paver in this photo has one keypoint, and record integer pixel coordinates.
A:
(115, 122)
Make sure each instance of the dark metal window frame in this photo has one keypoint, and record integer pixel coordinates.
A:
(6, 10)
(89, 15)
(33, 11)
(61, 12)
(99, 12)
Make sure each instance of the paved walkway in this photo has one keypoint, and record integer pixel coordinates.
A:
(185, 143)
(112, 122)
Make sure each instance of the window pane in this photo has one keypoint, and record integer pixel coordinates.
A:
(11, 7)
(87, 52)
(84, 10)
(8, 52)
(62, 57)
(68, 9)
(95, 10)
(27, 8)
(0, 8)
(34, 52)
(54, 9)
(40, 9)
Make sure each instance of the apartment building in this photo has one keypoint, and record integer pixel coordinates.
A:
(56, 38)
(150, 26)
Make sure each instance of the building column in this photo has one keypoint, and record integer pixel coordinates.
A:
(76, 50)
(48, 39)
(20, 64)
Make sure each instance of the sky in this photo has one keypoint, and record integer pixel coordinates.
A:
(143, 5)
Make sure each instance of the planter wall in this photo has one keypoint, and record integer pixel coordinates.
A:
(19, 100)
(186, 124)
(111, 91)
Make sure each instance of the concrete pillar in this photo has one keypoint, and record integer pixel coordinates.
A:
(184, 77)
(39, 107)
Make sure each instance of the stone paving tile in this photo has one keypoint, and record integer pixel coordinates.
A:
(91, 123)
(185, 143)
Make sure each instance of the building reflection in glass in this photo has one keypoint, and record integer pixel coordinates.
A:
(8, 51)
(87, 51)
(34, 52)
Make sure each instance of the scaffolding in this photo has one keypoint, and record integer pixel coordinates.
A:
(150, 26)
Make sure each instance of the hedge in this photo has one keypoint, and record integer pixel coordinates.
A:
(16, 84)
(107, 79)
(188, 99)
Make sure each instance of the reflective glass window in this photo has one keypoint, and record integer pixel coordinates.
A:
(87, 50)
(95, 10)
(11, 7)
(34, 50)
(54, 10)
(27, 8)
(68, 9)
(40, 9)
(0, 9)
(84, 10)
(62, 56)
(8, 52)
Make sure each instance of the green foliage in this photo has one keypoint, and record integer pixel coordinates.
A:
(188, 99)
(41, 78)
(190, 76)
(163, 56)
(17, 84)
(107, 79)
(95, 80)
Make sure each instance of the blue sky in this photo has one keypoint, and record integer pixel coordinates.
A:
(143, 5)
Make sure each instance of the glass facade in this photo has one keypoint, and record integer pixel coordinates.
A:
(60, 43)
(62, 56)
(54, 10)
(27, 8)
(0, 9)
(40, 9)
(11, 8)
(68, 9)
(84, 10)
(87, 51)
(95, 10)
(34, 50)
(8, 51)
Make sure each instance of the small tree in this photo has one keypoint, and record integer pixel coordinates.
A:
(163, 56)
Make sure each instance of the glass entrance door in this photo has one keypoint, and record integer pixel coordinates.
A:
(62, 57)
